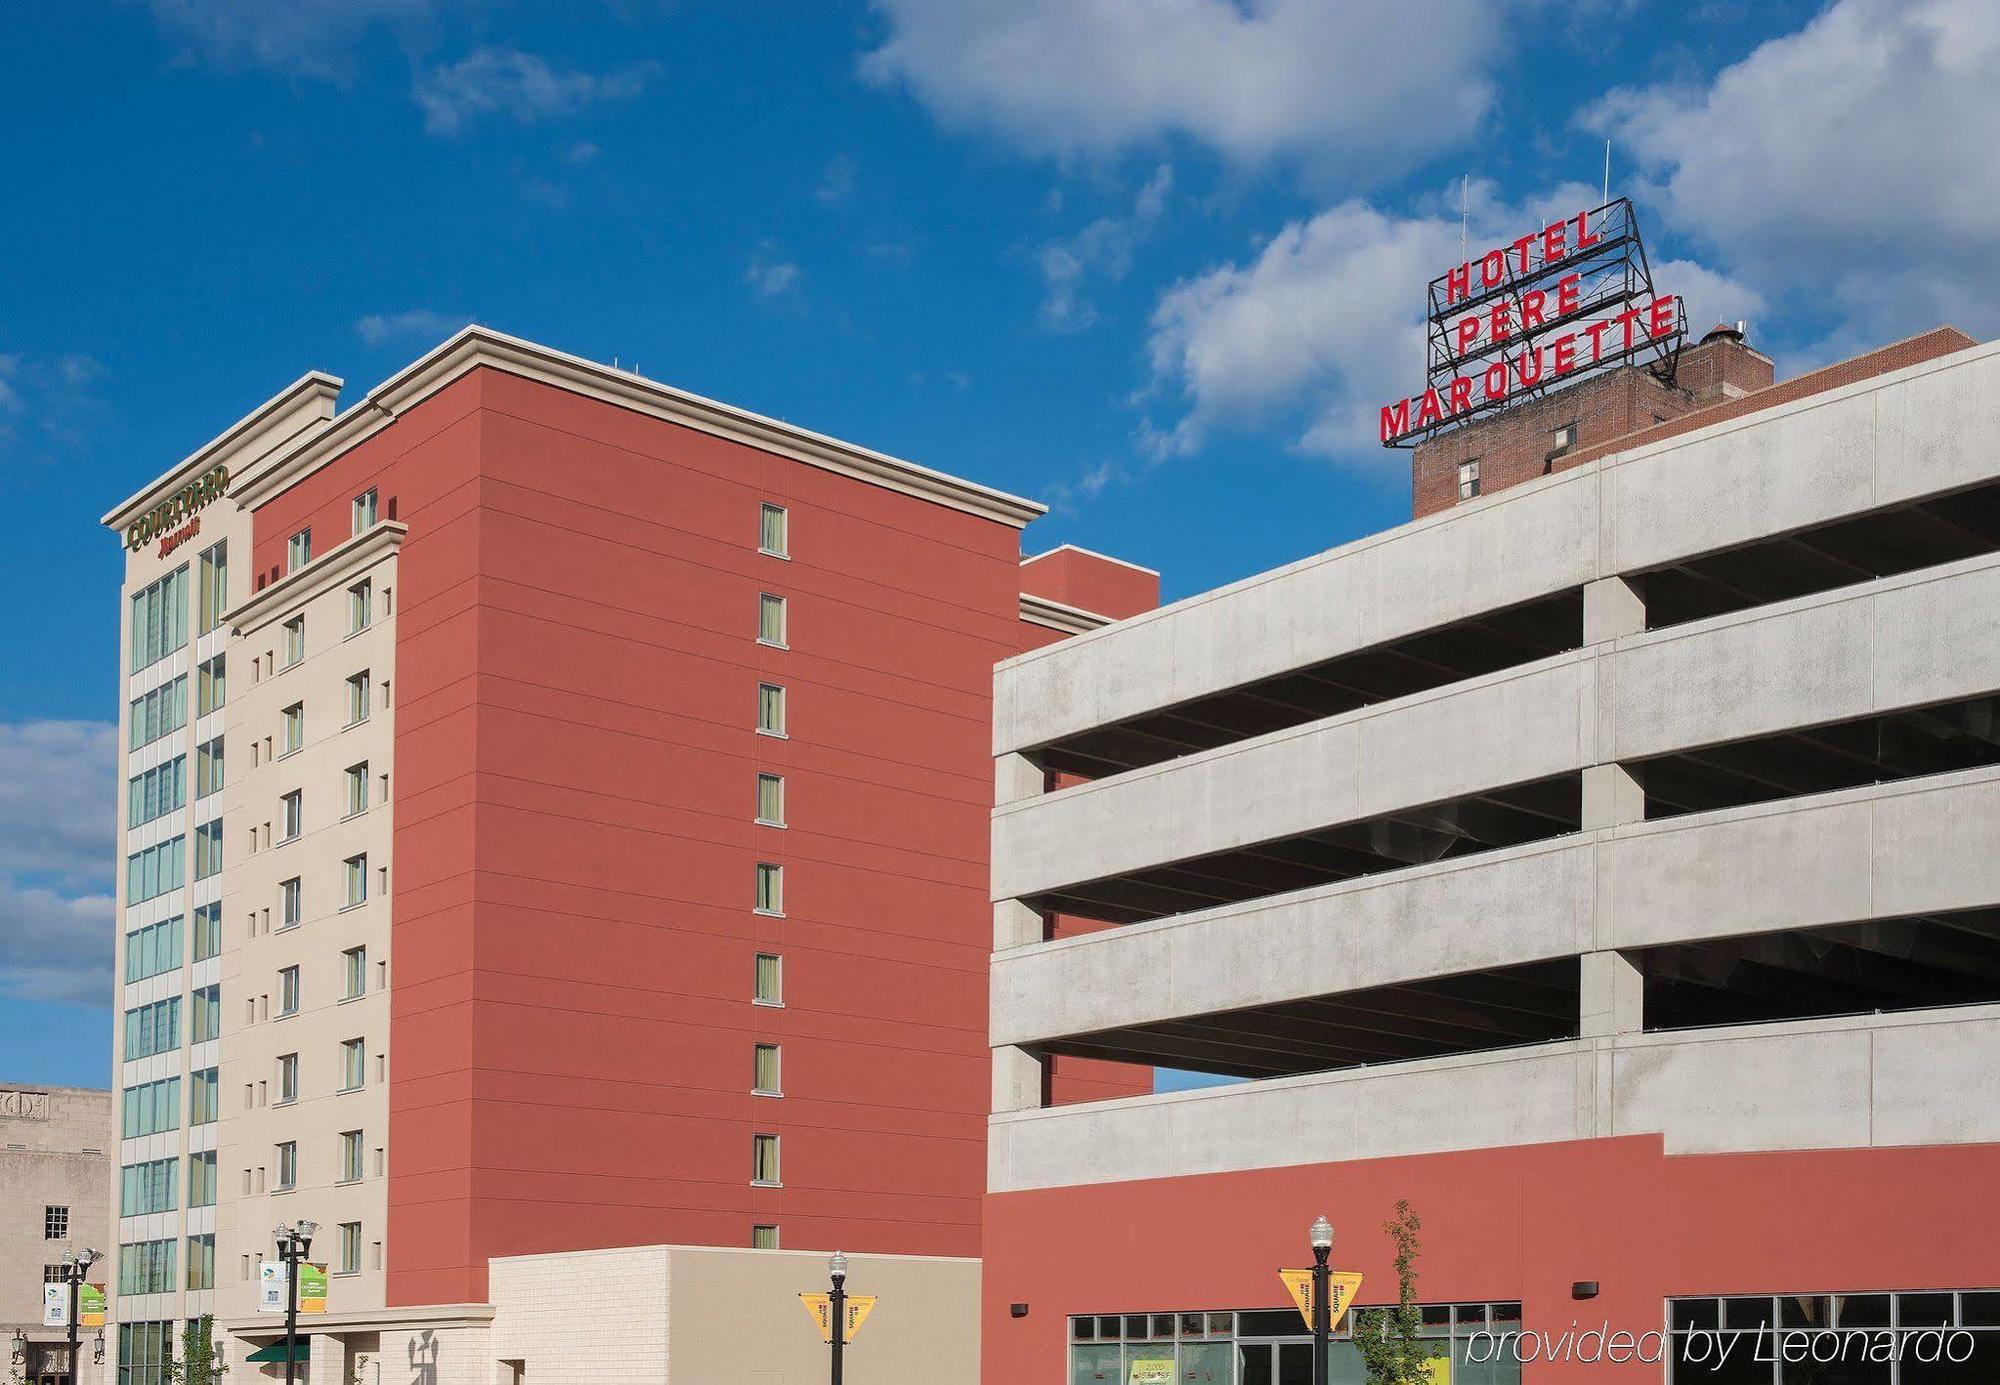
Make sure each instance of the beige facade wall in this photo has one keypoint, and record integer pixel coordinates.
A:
(260, 945)
(53, 1143)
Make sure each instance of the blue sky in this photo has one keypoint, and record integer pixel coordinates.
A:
(1153, 261)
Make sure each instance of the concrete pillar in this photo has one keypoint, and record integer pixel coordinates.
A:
(1613, 999)
(1612, 606)
(1015, 777)
(1015, 924)
(1613, 795)
(1020, 1079)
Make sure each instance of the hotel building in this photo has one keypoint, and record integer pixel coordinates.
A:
(1607, 863)
(556, 819)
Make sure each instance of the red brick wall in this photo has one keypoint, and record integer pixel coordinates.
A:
(576, 678)
(1091, 582)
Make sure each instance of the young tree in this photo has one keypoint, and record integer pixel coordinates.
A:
(1387, 1338)
(196, 1364)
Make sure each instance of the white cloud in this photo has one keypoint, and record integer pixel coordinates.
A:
(48, 405)
(1324, 324)
(1105, 246)
(1358, 86)
(312, 38)
(836, 184)
(770, 276)
(1851, 159)
(421, 323)
(506, 81)
(58, 836)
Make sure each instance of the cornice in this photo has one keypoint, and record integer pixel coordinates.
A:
(1071, 620)
(317, 577)
(480, 346)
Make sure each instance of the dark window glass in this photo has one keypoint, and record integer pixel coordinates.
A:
(1979, 1309)
(1083, 1329)
(1135, 1327)
(1923, 1310)
(1192, 1324)
(1696, 1312)
(1862, 1310)
(1271, 1322)
(1746, 1312)
(1805, 1310)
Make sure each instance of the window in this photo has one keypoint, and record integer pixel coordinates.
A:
(291, 903)
(770, 889)
(156, 792)
(353, 1064)
(151, 1107)
(144, 1348)
(159, 619)
(211, 588)
(204, 1096)
(288, 1078)
(1468, 479)
(201, 1261)
(763, 1238)
(770, 987)
(207, 849)
(288, 991)
(299, 550)
(293, 815)
(1564, 442)
(360, 606)
(154, 1028)
(354, 973)
(771, 619)
(771, 800)
(354, 877)
(349, 1261)
(295, 640)
(155, 870)
(357, 698)
(160, 712)
(294, 737)
(357, 788)
(146, 1267)
(55, 1223)
(154, 949)
(208, 768)
(211, 687)
(205, 1016)
(363, 511)
(764, 1160)
(350, 1156)
(774, 531)
(288, 1164)
(764, 1077)
(201, 1179)
(207, 932)
(148, 1187)
(771, 709)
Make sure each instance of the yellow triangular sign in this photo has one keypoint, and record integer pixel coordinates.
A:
(859, 1306)
(819, 1307)
(1342, 1286)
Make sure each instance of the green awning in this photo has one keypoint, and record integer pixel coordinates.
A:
(276, 1351)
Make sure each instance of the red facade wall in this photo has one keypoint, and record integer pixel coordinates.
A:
(1091, 582)
(1522, 1223)
(574, 868)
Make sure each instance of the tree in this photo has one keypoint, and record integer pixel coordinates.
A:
(196, 1364)
(1388, 1338)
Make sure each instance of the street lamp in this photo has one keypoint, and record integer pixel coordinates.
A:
(75, 1265)
(294, 1244)
(837, 1267)
(1321, 1236)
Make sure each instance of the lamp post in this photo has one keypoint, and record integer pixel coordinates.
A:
(837, 1267)
(1321, 1236)
(76, 1264)
(294, 1244)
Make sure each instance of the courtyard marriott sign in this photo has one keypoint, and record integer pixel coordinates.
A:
(1572, 297)
(176, 519)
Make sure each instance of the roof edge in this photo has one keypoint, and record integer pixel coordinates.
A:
(475, 346)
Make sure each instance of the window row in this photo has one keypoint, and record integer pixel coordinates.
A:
(155, 1185)
(153, 1107)
(156, 948)
(353, 1076)
(349, 1164)
(159, 713)
(290, 988)
(156, 792)
(362, 516)
(153, 871)
(159, 619)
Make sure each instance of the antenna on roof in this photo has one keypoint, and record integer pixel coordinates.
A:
(1607, 170)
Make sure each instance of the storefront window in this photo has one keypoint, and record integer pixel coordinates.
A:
(1271, 1347)
(1836, 1339)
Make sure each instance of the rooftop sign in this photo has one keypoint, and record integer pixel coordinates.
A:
(1573, 297)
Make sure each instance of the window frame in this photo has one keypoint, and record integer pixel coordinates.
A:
(766, 511)
(773, 613)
